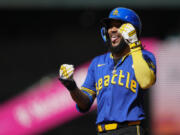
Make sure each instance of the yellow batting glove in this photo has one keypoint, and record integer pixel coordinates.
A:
(128, 32)
(66, 72)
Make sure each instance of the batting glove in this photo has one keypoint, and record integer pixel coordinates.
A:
(129, 34)
(66, 72)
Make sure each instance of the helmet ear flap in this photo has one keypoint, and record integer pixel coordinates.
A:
(104, 33)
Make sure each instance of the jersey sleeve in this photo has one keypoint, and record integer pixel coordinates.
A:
(151, 61)
(88, 86)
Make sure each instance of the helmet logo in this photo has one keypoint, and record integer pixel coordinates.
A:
(115, 12)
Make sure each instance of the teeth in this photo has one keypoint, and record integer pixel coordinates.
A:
(114, 36)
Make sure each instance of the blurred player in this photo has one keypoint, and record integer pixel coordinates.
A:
(118, 79)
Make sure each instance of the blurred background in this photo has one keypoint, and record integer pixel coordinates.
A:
(37, 36)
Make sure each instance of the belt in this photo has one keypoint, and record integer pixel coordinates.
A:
(114, 126)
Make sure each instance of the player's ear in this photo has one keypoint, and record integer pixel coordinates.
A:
(104, 33)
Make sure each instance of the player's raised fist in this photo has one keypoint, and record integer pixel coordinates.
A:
(66, 72)
(128, 32)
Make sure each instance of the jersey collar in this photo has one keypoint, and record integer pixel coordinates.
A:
(122, 59)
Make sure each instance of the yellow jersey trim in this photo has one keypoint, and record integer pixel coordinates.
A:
(88, 90)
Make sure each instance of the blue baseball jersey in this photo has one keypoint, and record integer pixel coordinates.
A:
(119, 96)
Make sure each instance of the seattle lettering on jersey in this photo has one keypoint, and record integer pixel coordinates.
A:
(107, 79)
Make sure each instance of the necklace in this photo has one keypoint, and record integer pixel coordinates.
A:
(115, 63)
(114, 69)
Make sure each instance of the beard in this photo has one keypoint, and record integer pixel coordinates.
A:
(117, 49)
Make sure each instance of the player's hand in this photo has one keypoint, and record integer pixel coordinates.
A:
(128, 32)
(66, 72)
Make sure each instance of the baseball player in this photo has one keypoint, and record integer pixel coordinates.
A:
(118, 78)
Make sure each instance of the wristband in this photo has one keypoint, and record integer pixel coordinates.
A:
(135, 45)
